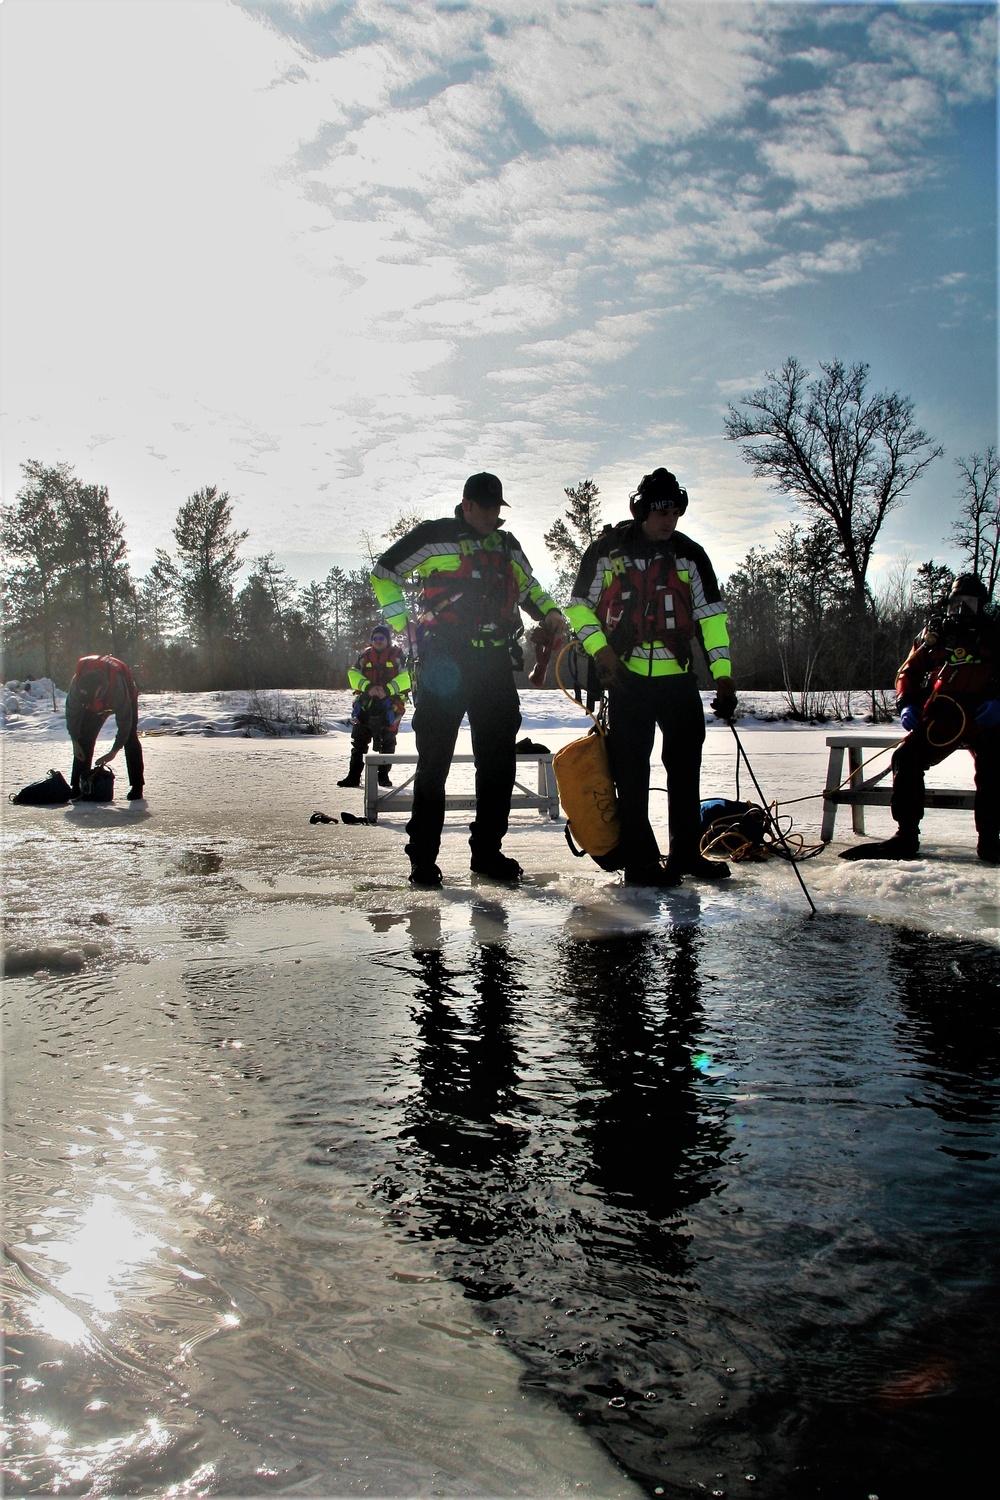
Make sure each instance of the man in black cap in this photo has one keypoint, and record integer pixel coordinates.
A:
(474, 579)
(644, 590)
(948, 695)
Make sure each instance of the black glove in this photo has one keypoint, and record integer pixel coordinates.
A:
(724, 702)
(611, 670)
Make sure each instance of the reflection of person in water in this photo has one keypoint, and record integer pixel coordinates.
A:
(544, 1169)
(652, 1149)
(462, 1118)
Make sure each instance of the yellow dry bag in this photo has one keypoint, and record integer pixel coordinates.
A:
(587, 794)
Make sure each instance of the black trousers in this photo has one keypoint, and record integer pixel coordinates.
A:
(371, 725)
(915, 755)
(455, 681)
(672, 705)
(90, 728)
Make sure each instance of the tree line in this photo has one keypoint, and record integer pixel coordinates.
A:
(68, 590)
(804, 616)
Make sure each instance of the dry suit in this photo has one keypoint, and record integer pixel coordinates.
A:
(954, 665)
(471, 590)
(376, 719)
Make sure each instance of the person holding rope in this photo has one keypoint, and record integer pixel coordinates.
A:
(643, 591)
(474, 579)
(948, 695)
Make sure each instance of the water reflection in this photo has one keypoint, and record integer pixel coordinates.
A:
(686, 1180)
(949, 995)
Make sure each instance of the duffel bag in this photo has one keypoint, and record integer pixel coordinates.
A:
(587, 794)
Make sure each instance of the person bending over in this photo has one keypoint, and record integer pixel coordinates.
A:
(102, 686)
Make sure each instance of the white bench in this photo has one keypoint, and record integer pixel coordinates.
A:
(861, 792)
(544, 799)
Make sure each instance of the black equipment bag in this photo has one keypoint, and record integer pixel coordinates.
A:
(53, 791)
(99, 786)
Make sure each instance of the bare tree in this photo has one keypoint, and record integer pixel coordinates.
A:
(977, 531)
(835, 449)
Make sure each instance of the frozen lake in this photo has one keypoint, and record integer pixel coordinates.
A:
(318, 1184)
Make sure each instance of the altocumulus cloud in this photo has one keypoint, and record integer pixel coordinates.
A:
(554, 181)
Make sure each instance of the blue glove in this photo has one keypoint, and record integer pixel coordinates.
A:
(910, 718)
(988, 714)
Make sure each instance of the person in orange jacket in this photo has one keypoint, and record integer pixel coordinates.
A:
(102, 686)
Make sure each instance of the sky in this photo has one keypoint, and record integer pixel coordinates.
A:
(334, 257)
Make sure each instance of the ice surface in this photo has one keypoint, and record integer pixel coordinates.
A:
(212, 782)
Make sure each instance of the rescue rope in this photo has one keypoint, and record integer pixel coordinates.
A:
(772, 818)
(600, 717)
(726, 839)
(962, 720)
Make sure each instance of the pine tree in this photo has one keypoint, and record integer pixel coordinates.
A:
(568, 542)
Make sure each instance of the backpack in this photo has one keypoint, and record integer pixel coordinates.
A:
(54, 791)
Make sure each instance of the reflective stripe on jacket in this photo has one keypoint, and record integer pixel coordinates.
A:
(380, 669)
(471, 585)
(630, 589)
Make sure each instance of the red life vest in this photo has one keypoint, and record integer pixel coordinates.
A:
(480, 595)
(641, 605)
(113, 669)
(380, 667)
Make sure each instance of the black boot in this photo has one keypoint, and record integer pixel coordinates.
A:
(904, 844)
(383, 776)
(353, 777)
(697, 865)
(988, 848)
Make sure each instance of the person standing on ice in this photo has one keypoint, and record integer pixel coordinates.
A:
(948, 695)
(380, 680)
(473, 580)
(643, 590)
(102, 686)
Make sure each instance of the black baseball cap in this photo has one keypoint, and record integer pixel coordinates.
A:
(484, 489)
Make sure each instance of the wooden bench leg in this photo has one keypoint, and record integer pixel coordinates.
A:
(856, 762)
(371, 791)
(834, 776)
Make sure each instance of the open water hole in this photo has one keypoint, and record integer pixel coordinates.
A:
(728, 1194)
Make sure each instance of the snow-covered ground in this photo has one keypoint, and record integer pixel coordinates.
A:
(267, 780)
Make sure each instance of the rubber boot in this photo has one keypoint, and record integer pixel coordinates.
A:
(383, 776)
(353, 777)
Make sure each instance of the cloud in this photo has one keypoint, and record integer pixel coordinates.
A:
(385, 239)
